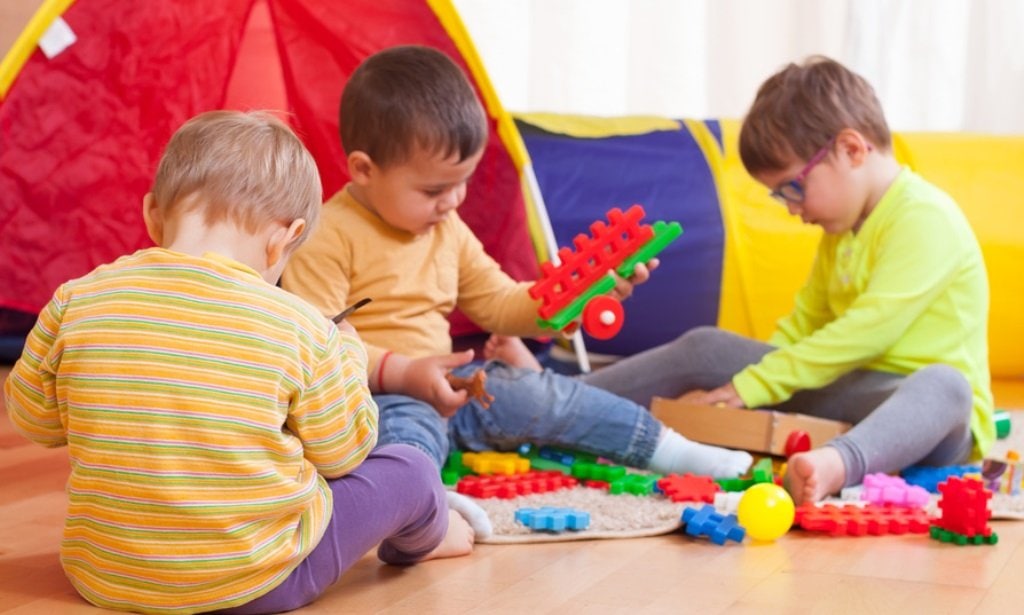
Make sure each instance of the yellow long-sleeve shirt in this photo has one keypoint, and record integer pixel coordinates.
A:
(202, 408)
(907, 290)
(415, 281)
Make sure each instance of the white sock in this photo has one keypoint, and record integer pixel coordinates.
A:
(475, 516)
(675, 454)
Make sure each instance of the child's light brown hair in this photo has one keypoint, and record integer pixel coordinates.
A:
(410, 97)
(247, 168)
(798, 109)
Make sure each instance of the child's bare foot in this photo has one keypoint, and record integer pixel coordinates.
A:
(458, 541)
(813, 475)
(510, 350)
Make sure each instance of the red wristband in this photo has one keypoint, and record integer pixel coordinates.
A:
(380, 371)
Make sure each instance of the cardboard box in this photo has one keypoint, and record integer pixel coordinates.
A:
(763, 431)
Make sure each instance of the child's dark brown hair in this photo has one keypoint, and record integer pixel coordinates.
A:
(410, 97)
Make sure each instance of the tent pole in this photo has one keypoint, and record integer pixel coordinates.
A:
(579, 347)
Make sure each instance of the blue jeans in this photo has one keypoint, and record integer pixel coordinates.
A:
(541, 408)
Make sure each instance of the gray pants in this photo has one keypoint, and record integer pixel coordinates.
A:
(922, 418)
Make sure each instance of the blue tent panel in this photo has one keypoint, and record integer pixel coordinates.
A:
(581, 178)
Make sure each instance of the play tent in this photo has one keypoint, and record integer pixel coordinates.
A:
(81, 133)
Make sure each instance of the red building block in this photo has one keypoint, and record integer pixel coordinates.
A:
(964, 507)
(860, 521)
(689, 488)
(607, 247)
(507, 487)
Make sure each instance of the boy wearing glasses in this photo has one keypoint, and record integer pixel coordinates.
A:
(888, 333)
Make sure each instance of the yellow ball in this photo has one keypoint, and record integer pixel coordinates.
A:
(765, 511)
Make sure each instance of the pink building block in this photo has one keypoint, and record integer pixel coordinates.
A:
(883, 489)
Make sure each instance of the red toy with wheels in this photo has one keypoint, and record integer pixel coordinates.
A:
(578, 285)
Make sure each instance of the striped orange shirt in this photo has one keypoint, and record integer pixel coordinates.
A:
(203, 409)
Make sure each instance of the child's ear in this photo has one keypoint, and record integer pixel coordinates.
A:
(360, 167)
(281, 240)
(153, 217)
(853, 145)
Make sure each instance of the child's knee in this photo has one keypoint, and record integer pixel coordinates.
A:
(700, 340)
(951, 382)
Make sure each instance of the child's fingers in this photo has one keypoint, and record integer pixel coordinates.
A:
(448, 402)
(457, 359)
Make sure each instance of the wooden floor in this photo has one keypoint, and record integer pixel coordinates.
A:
(669, 574)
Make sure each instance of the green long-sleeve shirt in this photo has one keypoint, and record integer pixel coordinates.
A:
(907, 290)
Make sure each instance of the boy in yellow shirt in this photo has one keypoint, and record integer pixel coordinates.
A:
(220, 430)
(414, 132)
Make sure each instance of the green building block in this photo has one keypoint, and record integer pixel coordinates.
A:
(636, 484)
(762, 471)
(942, 535)
(454, 469)
(586, 470)
(735, 484)
(1003, 423)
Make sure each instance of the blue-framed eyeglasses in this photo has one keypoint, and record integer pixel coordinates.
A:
(793, 190)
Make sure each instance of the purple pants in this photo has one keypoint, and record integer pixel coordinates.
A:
(394, 498)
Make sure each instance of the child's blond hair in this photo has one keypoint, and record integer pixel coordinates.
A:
(800, 108)
(247, 168)
(410, 97)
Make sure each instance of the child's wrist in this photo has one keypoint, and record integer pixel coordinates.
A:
(391, 372)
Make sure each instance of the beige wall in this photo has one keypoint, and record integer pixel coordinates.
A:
(14, 15)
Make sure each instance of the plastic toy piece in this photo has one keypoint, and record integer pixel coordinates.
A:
(493, 462)
(735, 485)
(603, 317)
(798, 441)
(1003, 423)
(883, 489)
(566, 291)
(474, 384)
(942, 535)
(507, 487)
(766, 511)
(964, 513)
(636, 484)
(930, 477)
(565, 457)
(706, 522)
(454, 469)
(585, 470)
(855, 520)
(553, 519)
(762, 471)
(688, 488)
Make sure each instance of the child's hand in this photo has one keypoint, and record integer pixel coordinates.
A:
(425, 379)
(724, 395)
(641, 273)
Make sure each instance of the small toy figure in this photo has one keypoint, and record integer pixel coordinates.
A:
(474, 384)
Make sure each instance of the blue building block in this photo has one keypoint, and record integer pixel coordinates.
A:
(929, 477)
(553, 519)
(561, 456)
(706, 522)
